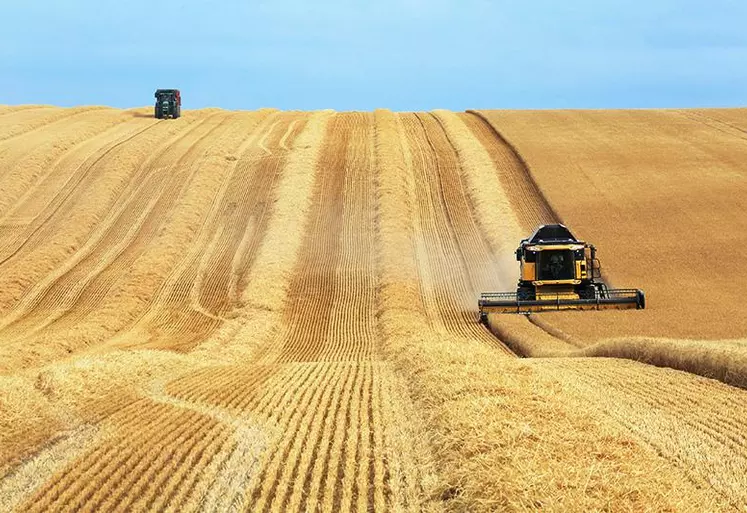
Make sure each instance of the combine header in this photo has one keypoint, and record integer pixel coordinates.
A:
(558, 272)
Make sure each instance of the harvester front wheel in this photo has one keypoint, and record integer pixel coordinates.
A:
(589, 292)
(525, 294)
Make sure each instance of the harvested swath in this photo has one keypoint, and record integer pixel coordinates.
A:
(32, 474)
(518, 185)
(454, 257)
(328, 410)
(29, 160)
(256, 325)
(223, 245)
(232, 262)
(57, 198)
(103, 238)
(528, 339)
(507, 437)
(116, 231)
(330, 296)
(699, 424)
(328, 448)
(280, 248)
(724, 360)
(230, 387)
(482, 179)
(38, 405)
(487, 193)
(490, 179)
(491, 418)
(150, 288)
(80, 386)
(120, 473)
(295, 423)
(399, 287)
(41, 402)
(20, 122)
(401, 310)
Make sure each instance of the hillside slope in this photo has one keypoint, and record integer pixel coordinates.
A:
(276, 311)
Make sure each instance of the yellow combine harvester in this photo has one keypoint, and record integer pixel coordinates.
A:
(558, 272)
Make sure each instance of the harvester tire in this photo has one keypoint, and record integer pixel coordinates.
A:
(525, 294)
(589, 292)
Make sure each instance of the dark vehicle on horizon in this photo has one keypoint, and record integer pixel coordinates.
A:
(168, 103)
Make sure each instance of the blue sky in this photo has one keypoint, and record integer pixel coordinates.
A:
(354, 55)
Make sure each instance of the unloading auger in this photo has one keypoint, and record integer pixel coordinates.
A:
(558, 272)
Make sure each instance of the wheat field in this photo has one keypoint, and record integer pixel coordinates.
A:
(277, 311)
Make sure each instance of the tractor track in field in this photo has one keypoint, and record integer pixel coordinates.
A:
(15, 120)
(30, 162)
(715, 123)
(37, 159)
(453, 257)
(135, 208)
(168, 177)
(203, 287)
(63, 197)
(37, 123)
(76, 289)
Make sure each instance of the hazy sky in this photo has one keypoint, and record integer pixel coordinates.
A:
(404, 55)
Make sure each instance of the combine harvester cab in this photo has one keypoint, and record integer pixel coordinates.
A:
(558, 272)
(168, 103)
